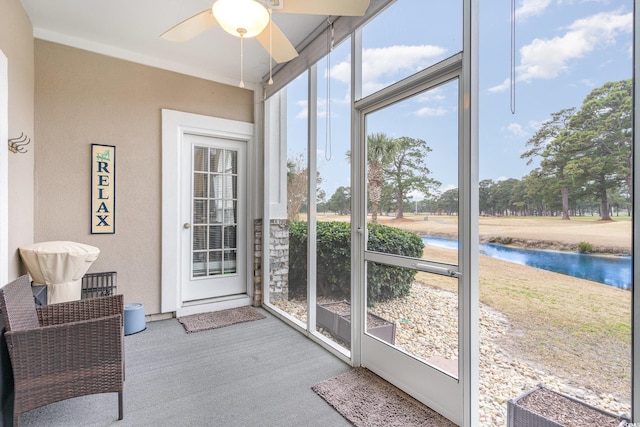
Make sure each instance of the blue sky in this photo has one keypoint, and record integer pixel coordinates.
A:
(564, 49)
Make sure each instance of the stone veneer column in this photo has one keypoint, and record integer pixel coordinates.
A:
(279, 260)
(257, 263)
(279, 257)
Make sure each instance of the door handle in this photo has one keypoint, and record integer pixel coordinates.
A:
(186, 226)
(436, 269)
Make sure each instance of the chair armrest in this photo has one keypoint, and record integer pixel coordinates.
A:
(46, 354)
(84, 309)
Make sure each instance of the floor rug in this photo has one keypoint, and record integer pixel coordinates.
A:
(366, 400)
(218, 319)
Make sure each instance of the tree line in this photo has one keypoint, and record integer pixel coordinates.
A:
(585, 168)
(585, 155)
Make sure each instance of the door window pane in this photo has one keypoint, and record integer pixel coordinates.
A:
(215, 204)
(199, 264)
(229, 212)
(200, 187)
(215, 262)
(412, 173)
(199, 211)
(200, 159)
(230, 237)
(199, 238)
(416, 312)
(229, 262)
(214, 155)
(215, 237)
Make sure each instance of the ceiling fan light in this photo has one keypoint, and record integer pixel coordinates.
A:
(246, 18)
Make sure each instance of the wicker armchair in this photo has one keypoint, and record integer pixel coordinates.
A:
(63, 350)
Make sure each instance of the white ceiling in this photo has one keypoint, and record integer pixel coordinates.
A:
(130, 29)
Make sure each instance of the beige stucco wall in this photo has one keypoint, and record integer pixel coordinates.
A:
(84, 98)
(16, 43)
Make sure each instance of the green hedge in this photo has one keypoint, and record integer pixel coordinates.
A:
(334, 257)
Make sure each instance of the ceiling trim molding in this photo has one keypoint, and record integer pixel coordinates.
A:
(128, 55)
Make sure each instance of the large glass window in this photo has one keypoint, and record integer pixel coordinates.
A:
(287, 239)
(409, 36)
(555, 188)
(555, 141)
(318, 194)
(333, 196)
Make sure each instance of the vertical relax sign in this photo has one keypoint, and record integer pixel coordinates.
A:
(103, 189)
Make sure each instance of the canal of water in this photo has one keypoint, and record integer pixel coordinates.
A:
(609, 270)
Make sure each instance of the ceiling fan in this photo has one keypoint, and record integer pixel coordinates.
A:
(252, 18)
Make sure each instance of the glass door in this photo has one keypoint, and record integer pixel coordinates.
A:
(412, 306)
(214, 202)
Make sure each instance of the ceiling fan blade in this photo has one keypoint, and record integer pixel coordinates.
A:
(325, 7)
(190, 27)
(281, 48)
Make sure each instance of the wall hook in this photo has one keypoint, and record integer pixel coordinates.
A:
(17, 145)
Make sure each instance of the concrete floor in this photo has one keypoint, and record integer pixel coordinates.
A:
(257, 373)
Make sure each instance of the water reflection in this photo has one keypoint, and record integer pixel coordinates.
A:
(612, 271)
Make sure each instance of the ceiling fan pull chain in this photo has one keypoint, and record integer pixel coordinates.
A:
(270, 46)
(333, 35)
(512, 92)
(330, 41)
(241, 60)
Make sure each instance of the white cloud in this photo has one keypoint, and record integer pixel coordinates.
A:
(416, 195)
(535, 124)
(387, 61)
(501, 87)
(515, 129)
(381, 65)
(531, 8)
(431, 112)
(304, 110)
(548, 58)
(322, 108)
(444, 188)
(588, 83)
(518, 130)
(342, 71)
(431, 95)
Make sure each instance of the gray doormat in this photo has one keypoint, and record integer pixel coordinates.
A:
(218, 319)
(366, 400)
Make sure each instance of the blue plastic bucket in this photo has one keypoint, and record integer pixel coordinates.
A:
(134, 318)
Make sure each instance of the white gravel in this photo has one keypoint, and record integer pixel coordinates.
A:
(426, 326)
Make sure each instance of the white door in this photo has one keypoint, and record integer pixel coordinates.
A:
(419, 157)
(213, 211)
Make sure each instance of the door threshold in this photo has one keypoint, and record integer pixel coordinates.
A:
(213, 304)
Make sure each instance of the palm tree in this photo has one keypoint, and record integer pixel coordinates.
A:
(380, 152)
